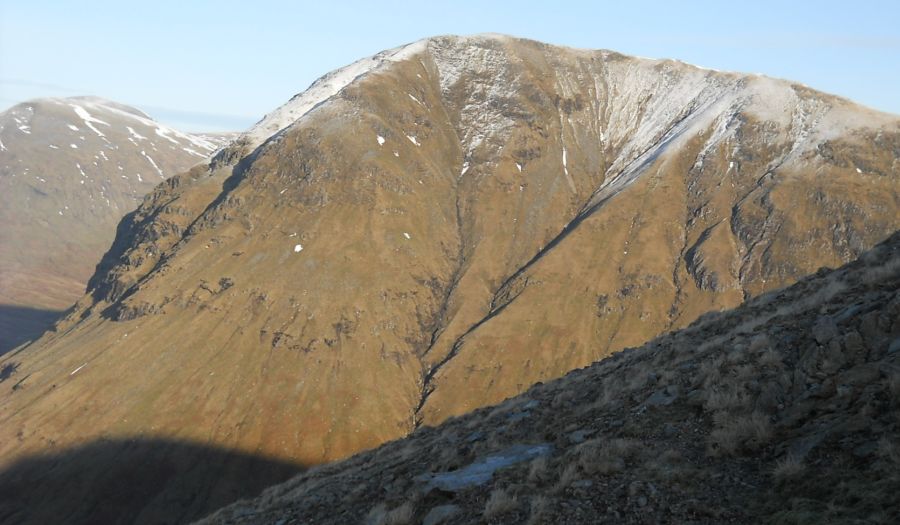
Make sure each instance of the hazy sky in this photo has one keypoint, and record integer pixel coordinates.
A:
(222, 65)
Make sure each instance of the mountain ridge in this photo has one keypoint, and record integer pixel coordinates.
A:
(69, 169)
(442, 233)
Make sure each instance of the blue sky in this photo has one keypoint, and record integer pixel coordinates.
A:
(222, 65)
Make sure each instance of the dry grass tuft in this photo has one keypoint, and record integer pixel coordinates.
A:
(568, 475)
(710, 371)
(889, 451)
(788, 468)
(538, 470)
(402, 515)
(739, 434)
(500, 503)
(878, 274)
(721, 400)
(562, 399)
(892, 385)
(771, 358)
(604, 457)
(539, 507)
(759, 343)
(823, 294)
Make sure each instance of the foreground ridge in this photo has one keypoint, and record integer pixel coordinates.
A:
(783, 409)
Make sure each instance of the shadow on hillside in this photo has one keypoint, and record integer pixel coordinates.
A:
(133, 481)
(20, 324)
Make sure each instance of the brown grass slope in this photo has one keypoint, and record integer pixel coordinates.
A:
(528, 210)
(783, 410)
(70, 169)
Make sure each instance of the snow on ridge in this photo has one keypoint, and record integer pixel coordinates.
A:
(160, 129)
(88, 119)
(323, 89)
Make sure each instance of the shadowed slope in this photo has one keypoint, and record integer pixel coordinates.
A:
(20, 324)
(139, 481)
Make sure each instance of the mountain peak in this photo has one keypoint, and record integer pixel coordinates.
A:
(70, 168)
(434, 229)
(489, 54)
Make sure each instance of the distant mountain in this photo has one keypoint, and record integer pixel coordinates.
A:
(780, 411)
(70, 169)
(435, 229)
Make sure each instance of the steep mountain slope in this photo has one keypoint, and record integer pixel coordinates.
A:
(69, 170)
(438, 227)
(783, 410)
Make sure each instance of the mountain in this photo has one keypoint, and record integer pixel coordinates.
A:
(780, 411)
(435, 229)
(70, 169)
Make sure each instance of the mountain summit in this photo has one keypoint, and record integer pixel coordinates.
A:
(70, 169)
(437, 228)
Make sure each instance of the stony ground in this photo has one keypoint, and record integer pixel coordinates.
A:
(785, 410)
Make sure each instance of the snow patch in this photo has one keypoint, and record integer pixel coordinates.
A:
(485, 95)
(380, 140)
(406, 235)
(298, 248)
(73, 127)
(192, 152)
(51, 146)
(89, 120)
(164, 133)
(412, 138)
(73, 146)
(159, 171)
(134, 133)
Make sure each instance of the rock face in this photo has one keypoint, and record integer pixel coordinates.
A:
(70, 169)
(438, 227)
(783, 410)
